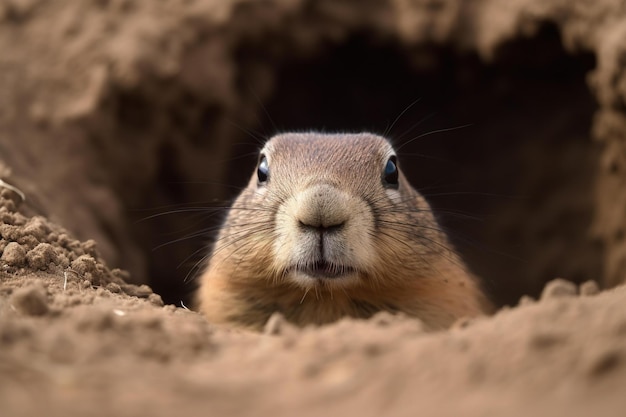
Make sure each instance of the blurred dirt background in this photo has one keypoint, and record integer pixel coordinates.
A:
(129, 125)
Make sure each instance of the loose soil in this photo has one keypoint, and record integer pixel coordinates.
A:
(129, 126)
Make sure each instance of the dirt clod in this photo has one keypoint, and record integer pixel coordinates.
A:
(14, 254)
(113, 287)
(88, 268)
(141, 291)
(42, 257)
(589, 288)
(156, 300)
(32, 300)
(559, 288)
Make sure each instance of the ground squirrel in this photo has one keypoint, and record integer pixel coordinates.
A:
(328, 227)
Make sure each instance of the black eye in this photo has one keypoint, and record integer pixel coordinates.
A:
(390, 175)
(263, 171)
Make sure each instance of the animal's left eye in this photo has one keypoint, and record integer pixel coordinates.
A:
(263, 170)
(390, 174)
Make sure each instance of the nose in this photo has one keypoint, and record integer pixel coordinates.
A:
(322, 208)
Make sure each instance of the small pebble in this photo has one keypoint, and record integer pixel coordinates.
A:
(274, 324)
(526, 300)
(384, 319)
(589, 288)
(277, 324)
(558, 288)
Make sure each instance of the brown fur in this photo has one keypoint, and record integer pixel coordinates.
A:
(404, 261)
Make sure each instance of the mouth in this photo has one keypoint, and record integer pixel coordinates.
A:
(325, 270)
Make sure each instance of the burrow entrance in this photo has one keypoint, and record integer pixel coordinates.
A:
(502, 150)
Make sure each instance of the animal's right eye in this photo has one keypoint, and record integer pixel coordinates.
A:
(390, 174)
(263, 170)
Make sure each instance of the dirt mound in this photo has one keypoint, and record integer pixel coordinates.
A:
(128, 125)
(73, 342)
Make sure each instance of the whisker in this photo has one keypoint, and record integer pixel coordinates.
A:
(432, 132)
(257, 136)
(198, 233)
(407, 108)
(196, 267)
(413, 126)
(263, 108)
(306, 291)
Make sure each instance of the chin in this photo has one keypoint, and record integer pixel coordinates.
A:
(308, 281)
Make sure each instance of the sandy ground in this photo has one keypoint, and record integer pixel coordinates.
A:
(76, 340)
(117, 111)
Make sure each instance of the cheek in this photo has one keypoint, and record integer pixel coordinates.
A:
(286, 243)
(361, 249)
(394, 196)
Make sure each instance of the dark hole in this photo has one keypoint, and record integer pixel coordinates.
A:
(504, 156)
